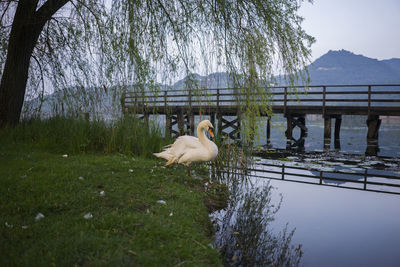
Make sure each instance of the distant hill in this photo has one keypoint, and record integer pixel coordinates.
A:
(344, 67)
(213, 80)
(334, 67)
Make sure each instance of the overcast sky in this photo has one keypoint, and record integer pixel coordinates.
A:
(367, 27)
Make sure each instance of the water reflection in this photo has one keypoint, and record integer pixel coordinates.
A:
(335, 227)
(243, 233)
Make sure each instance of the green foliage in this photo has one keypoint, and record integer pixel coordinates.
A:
(128, 227)
(71, 135)
(88, 46)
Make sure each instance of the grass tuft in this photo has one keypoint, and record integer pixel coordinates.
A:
(73, 135)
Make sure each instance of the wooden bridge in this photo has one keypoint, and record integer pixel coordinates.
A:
(226, 106)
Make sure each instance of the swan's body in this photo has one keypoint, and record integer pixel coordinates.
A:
(187, 149)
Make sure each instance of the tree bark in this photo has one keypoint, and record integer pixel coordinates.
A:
(26, 28)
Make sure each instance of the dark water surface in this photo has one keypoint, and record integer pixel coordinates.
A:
(341, 227)
(337, 226)
(352, 135)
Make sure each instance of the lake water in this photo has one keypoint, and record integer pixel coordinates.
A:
(352, 135)
(336, 226)
(341, 227)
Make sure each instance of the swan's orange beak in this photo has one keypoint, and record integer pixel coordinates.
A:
(211, 132)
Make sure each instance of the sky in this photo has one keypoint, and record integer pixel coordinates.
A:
(367, 27)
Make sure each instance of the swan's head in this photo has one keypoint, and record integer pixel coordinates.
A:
(207, 125)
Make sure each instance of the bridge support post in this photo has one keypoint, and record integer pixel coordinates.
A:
(219, 118)
(338, 123)
(191, 123)
(181, 122)
(269, 131)
(289, 131)
(168, 126)
(212, 119)
(224, 124)
(373, 123)
(294, 120)
(327, 133)
(303, 131)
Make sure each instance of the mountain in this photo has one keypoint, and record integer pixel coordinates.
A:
(213, 80)
(334, 67)
(344, 67)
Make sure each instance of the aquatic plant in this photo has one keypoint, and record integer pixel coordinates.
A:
(244, 235)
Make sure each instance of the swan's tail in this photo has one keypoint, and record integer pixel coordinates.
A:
(167, 156)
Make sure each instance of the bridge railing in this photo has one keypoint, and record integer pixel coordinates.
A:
(315, 95)
(363, 179)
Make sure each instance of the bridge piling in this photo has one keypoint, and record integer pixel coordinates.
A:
(373, 123)
(293, 120)
(269, 131)
(327, 133)
(338, 123)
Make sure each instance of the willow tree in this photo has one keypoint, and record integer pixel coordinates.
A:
(87, 44)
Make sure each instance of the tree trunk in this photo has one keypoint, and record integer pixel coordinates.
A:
(26, 28)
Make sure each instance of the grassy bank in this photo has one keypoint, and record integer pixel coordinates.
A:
(118, 193)
(73, 135)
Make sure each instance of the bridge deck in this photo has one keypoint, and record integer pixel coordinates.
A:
(325, 100)
(279, 109)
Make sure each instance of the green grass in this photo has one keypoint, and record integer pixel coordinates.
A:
(71, 135)
(128, 226)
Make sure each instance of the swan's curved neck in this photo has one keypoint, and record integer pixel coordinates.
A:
(202, 137)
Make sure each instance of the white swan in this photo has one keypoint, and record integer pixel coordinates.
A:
(187, 149)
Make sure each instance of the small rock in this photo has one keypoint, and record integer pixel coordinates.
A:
(88, 216)
(9, 225)
(39, 216)
(65, 156)
(130, 170)
(161, 202)
(171, 214)
(81, 178)
(102, 193)
(24, 226)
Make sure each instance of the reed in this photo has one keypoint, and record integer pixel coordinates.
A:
(127, 135)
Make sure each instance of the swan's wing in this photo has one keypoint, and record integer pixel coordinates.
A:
(187, 142)
(182, 144)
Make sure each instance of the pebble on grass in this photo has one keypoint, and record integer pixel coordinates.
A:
(161, 202)
(39, 216)
(88, 216)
